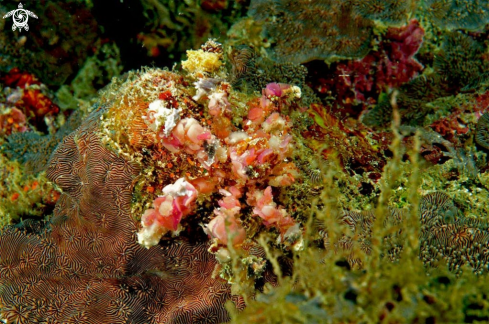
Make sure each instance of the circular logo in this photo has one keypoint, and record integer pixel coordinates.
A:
(20, 18)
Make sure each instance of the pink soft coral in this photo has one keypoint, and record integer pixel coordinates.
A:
(389, 67)
(358, 83)
(226, 225)
(268, 210)
(254, 157)
(188, 135)
(177, 202)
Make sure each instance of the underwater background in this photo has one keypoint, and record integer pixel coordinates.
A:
(211, 161)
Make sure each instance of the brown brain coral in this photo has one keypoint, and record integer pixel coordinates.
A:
(85, 265)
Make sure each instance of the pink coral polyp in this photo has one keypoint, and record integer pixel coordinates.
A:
(225, 225)
(188, 135)
(169, 209)
(267, 209)
(275, 89)
(164, 214)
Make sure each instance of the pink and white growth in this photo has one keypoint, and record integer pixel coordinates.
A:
(204, 87)
(188, 135)
(177, 134)
(267, 209)
(218, 98)
(218, 103)
(192, 138)
(177, 201)
(268, 144)
(226, 225)
(256, 156)
(162, 119)
(275, 91)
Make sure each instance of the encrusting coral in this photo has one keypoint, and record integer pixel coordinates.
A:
(458, 14)
(446, 235)
(302, 31)
(482, 134)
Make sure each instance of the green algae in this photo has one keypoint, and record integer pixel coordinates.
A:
(22, 195)
(324, 288)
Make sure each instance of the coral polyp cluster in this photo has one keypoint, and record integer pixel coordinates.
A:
(176, 202)
(242, 159)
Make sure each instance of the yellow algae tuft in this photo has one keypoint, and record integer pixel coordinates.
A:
(200, 62)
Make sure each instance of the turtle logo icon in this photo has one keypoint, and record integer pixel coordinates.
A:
(20, 17)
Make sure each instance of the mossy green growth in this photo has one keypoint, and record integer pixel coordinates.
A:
(325, 288)
(21, 194)
(326, 292)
